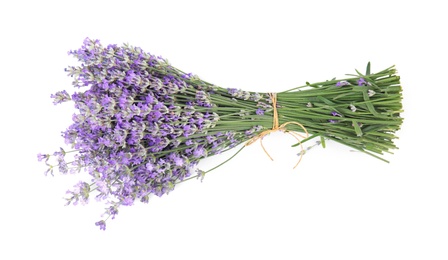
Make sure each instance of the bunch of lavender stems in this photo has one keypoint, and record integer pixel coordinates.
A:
(142, 125)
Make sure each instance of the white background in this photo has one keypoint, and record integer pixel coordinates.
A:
(337, 204)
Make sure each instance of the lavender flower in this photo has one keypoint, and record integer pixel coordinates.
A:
(60, 97)
(233, 91)
(333, 121)
(256, 97)
(79, 193)
(199, 152)
(362, 82)
(334, 113)
(129, 125)
(200, 174)
(101, 224)
(342, 83)
(41, 157)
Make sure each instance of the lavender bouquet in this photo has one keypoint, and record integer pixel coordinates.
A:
(142, 125)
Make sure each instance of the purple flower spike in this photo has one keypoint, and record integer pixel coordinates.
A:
(201, 174)
(101, 224)
(198, 152)
(187, 76)
(41, 157)
(342, 83)
(362, 82)
(334, 113)
(232, 91)
(259, 112)
(60, 97)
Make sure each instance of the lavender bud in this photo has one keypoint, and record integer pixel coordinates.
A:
(60, 97)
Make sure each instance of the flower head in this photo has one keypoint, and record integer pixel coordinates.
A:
(362, 82)
(342, 83)
(60, 97)
(101, 224)
(41, 157)
(199, 152)
(334, 113)
(200, 174)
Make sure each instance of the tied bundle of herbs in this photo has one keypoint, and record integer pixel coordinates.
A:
(142, 125)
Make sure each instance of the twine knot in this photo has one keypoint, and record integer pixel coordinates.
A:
(276, 127)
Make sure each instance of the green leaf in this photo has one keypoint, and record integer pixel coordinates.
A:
(326, 101)
(368, 68)
(373, 148)
(358, 130)
(369, 104)
(322, 141)
(359, 73)
(305, 140)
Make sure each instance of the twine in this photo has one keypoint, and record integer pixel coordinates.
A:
(282, 127)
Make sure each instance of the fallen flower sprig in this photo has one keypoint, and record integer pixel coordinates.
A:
(142, 125)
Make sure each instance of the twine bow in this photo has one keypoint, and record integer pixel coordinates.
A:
(282, 127)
